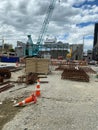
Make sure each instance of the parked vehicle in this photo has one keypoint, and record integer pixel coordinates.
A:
(93, 62)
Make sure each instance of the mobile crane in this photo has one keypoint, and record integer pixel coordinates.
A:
(33, 49)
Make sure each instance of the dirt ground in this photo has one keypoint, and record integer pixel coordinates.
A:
(63, 105)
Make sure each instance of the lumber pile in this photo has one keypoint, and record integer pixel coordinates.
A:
(37, 65)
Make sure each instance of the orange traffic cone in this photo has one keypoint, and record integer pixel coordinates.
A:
(31, 99)
(37, 92)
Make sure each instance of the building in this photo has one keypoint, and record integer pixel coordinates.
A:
(77, 51)
(50, 41)
(20, 49)
(95, 43)
(89, 55)
(54, 49)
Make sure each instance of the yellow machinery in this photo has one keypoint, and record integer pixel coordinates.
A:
(69, 55)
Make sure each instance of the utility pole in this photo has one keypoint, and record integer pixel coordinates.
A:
(83, 46)
(2, 44)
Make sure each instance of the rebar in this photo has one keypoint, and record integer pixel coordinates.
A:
(75, 74)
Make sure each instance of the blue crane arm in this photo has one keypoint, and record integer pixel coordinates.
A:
(46, 22)
(33, 49)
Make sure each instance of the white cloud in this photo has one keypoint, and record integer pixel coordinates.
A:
(22, 17)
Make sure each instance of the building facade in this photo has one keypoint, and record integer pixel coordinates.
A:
(77, 51)
(54, 49)
(95, 44)
(20, 49)
(89, 55)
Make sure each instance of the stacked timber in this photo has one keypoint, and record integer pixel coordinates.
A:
(37, 65)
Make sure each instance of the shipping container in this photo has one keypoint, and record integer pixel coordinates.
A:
(9, 59)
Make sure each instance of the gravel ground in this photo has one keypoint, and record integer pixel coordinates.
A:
(63, 105)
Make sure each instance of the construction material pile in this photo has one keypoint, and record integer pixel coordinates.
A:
(87, 69)
(37, 65)
(6, 87)
(5, 73)
(1, 79)
(30, 78)
(56, 62)
(76, 74)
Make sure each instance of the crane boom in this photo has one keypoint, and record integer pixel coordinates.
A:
(46, 22)
(33, 49)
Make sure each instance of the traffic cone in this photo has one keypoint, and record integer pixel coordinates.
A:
(37, 91)
(31, 99)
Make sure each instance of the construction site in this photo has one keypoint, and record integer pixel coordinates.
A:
(50, 86)
(43, 94)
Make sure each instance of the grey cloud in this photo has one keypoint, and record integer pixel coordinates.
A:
(23, 6)
(17, 16)
(63, 15)
(42, 7)
(27, 16)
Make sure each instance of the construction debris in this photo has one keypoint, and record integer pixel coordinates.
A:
(31, 78)
(5, 73)
(6, 87)
(61, 97)
(1, 79)
(6, 82)
(56, 62)
(87, 69)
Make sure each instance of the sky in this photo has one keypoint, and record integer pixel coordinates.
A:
(72, 21)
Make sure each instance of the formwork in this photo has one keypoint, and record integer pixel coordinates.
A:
(37, 65)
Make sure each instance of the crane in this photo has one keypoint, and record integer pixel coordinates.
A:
(46, 21)
(33, 49)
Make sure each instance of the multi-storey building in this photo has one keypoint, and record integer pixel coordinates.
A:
(95, 44)
(20, 49)
(77, 51)
(54, 49)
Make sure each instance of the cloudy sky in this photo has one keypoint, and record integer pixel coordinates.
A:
(71, 20)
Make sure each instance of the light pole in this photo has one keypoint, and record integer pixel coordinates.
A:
(2, 44)
(83, 43)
